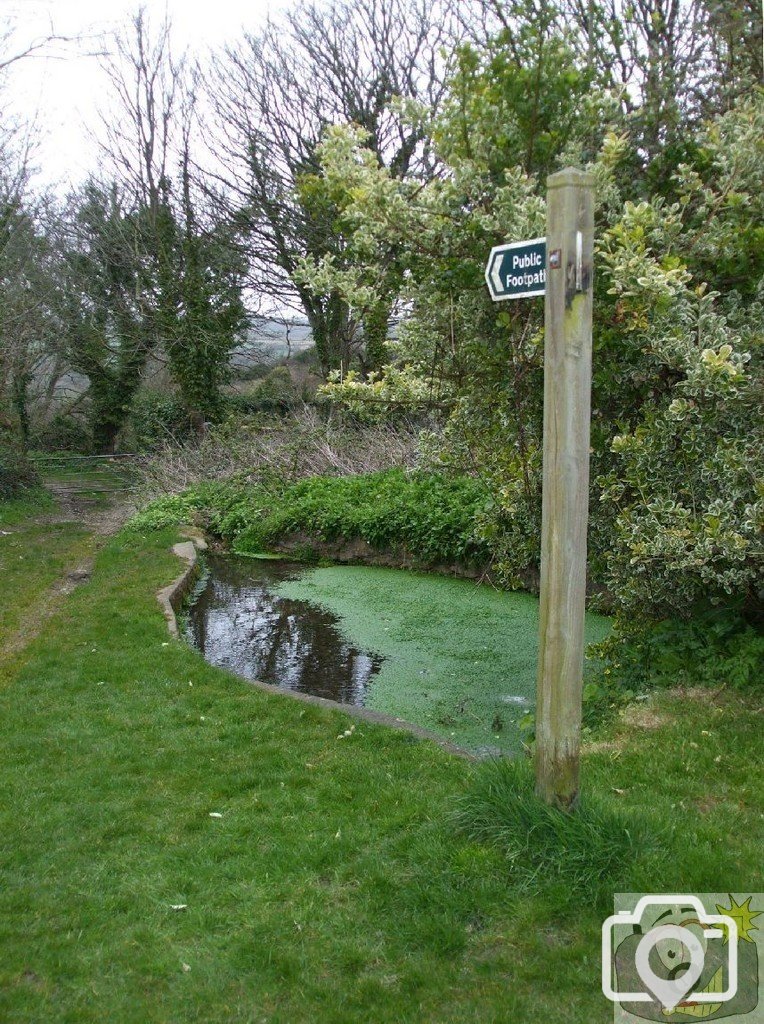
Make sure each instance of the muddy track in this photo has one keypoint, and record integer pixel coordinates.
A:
(99, 520)
(86, 510)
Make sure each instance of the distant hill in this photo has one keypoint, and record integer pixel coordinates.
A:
(266, 343)
(270, 340)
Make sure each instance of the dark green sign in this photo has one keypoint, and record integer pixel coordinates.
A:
(517, 270)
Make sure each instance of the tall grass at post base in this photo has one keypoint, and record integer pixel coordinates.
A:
(570, 858)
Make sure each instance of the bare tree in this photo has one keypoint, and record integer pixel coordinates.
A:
(273, 97)
(25, 282)
(13, 48)
(139, 126)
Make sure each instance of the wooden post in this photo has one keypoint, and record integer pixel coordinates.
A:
(567, 403)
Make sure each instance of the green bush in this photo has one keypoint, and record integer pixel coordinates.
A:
(171, 510)
(232, 509)
(276, 392)
(215, 502)
(686, 494)
(431, 515)
(17, 474)
(156, 417)
(256, 371)
(717, 647)
(307, 357)
(63, 432)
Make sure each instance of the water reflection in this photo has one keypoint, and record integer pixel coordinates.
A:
(239, 624)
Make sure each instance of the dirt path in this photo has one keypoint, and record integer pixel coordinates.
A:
(100, 512)
(87, 509)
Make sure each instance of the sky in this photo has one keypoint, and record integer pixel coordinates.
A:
(62, 90)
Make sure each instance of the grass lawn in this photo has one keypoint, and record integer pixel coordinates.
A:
(20, 510)
(460, 658)
(333, 887)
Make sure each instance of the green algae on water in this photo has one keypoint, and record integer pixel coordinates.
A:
(459, 657)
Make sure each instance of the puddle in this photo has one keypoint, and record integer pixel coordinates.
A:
(238, 623)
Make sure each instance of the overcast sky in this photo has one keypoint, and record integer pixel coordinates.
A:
(63, 91)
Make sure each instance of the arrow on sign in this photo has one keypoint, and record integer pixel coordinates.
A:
(517, 270)
(495, 274)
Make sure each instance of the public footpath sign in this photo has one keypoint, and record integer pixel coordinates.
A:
(517, 270)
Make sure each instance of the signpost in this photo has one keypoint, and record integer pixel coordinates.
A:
(567, 400)
(517, 270)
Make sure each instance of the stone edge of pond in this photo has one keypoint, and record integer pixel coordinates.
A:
(171, 597)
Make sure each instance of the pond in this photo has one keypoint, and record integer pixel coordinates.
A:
(239, 622)
(452, 655)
